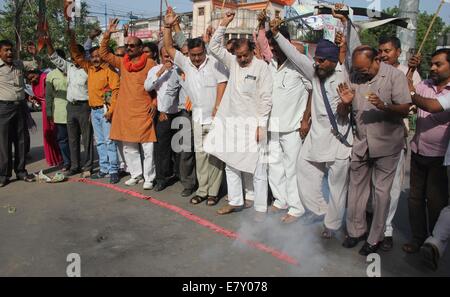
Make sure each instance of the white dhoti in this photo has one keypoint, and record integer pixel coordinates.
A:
(310, 178)
(284, 150)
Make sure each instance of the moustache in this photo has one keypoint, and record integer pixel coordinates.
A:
(360, 77)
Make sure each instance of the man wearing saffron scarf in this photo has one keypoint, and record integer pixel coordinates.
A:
(132, 121)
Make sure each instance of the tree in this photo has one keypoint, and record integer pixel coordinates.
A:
(371, 36)
(25, 21)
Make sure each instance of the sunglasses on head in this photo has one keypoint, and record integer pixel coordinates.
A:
(131, 45)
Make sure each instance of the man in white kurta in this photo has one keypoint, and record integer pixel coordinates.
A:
(289, 99)
(322, 152)
(236, 135)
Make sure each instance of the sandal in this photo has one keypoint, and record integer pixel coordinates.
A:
(212, 200)
(411, 248)
(326, 233)
(197, 199)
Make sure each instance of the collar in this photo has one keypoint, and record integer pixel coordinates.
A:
(101, 67)
(201, 66)
(2, 63)
(337, 70)
(430, 84)
(381, 72)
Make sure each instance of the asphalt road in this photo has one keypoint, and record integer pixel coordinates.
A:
(118, 234)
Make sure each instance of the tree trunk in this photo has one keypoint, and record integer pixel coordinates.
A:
(17, 25)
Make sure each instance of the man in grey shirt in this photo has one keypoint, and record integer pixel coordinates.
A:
(12, 115)
(381, 101)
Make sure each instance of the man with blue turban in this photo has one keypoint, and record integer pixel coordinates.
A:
(327, 147)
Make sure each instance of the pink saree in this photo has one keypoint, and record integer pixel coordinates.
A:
(51, 149)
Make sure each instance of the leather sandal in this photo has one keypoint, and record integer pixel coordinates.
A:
(212, 200)
(411, 248)
(229, 209)
(197, 199)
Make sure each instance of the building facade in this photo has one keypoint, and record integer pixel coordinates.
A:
(209, 13)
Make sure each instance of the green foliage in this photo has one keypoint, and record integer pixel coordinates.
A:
(371, 36)
(56, 21)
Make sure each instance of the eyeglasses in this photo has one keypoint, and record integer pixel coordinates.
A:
(130, 45)
(319, 60)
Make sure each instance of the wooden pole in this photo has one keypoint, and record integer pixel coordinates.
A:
(430, 26)
(411, 70)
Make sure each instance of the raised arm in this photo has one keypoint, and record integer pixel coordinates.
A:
(303, 64)
(216, 45)
(341, 42)
(77, 56)
(107, 56)
(261, 39)
(169, 20)
(59, 62)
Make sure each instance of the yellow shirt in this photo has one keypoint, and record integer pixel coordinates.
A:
(100, 80)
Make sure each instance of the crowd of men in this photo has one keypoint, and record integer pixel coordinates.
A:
(258, 113)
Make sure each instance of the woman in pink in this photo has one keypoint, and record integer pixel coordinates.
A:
(51, 149)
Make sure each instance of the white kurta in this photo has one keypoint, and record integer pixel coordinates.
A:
(245, 105)
(322, 152)
(289, 97)
(320, 144)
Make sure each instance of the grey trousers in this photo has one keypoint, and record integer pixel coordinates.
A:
(186, 158)
(361, 171)
(209, 169)
(441, 231)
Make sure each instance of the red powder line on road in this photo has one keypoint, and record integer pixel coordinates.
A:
(190, 216)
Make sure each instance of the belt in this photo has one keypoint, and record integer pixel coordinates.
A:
(96, 107)
(11, 102)
(78, 102)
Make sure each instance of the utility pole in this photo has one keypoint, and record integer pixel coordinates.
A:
(106, 17)
(408, 9)
(160, 16)
(18, 9)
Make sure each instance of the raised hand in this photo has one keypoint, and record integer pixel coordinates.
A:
(340, 39)
(345, 93)
(209, 33)
(94, 33)
(228, 18)
(31, 48)
(275, 25)
(125, 30)
(338, 6)
(415, 61)
(170, 19)
(112, 26)
(262, 16)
